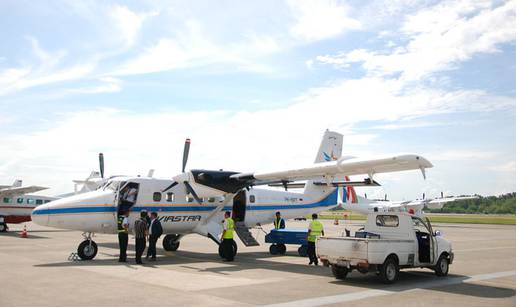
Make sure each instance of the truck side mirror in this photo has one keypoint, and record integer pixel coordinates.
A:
(437, 233)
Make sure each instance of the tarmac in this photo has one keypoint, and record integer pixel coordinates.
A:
(36, 272)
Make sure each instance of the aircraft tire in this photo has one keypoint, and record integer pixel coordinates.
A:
(170, 243)
(85, 252)
(221, 251)
(340, 272)
(3, 227)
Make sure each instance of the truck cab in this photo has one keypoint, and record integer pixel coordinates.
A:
(388, 242)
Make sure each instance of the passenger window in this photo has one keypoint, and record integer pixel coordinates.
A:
(156, 196)
(19, 200)
(39, 201)
(387, 221)
(211, 199)
(189, 199)
(47, 201)
(252, 198)
(170, 196)
(30, 201)
(8, 200)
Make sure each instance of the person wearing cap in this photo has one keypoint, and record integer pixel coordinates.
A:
(314, 230)
(279, 222)
(227, 237)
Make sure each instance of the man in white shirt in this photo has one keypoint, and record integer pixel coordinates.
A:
(155, 231)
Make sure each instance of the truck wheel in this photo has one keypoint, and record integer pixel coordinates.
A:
(170, 243)
(442, 266)
(274, 249)
(3, 227)
(303, 251)
(389, 271)
(282, 249)
(340, 272)
(87, 252)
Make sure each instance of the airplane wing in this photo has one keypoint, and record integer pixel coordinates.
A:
(438, 203)
(348, 167)
(13, 191)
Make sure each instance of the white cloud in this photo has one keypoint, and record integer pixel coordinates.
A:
(464, 155)
(128, 22)
(508, 167)
(320, 19)
(438, 38)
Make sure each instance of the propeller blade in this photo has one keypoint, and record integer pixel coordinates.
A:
(191, 191)
(101, 164)
(186, 150)
(170, 186)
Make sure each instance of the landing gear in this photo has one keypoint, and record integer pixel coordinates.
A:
(171, 242)
(221, 250)
(303, 251)
(88, 249)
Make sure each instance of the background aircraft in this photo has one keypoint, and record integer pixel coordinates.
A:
(194, 201)
(16, 203)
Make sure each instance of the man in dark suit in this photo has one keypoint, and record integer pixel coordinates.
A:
(155, 231)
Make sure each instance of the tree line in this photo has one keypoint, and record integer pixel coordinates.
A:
(503, 204)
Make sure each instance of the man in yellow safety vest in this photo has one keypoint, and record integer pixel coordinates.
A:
(314, 230)
(279, 222)
(227, 237)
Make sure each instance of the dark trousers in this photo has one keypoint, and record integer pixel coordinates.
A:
(311, 252)
(123, 238)
(227, 247)
(140, 247)
(151, 251)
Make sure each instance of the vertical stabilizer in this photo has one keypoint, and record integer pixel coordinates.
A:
(17, 183)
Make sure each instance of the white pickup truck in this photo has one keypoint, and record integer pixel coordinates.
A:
(388, 242)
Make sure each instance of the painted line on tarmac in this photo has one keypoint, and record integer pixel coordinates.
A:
(348, 297)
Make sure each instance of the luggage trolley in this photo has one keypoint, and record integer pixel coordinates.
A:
(280, 237)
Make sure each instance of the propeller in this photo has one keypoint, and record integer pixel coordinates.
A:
(423, 196)
(186, 151)
(101, 164)
(189, 188)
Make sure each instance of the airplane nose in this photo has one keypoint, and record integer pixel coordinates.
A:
(39, 215)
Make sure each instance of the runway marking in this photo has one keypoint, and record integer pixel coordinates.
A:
(348, 297)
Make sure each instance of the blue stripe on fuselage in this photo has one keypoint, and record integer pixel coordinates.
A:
(329, 200)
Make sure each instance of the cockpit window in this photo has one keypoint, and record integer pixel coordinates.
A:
(113, 185)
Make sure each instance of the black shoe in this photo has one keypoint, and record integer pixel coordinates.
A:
(310, 263)
(316, 264)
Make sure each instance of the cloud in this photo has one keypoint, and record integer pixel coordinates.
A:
(128, 22)
(508, 167)
(464, 155)
(320, 19)
(438, 38)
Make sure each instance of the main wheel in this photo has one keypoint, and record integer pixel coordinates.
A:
(303, 251)
(442, 266)
(340, 272)
(274, 249)
(171, 243)
(389, 271)
(221, 250)
(87, 251)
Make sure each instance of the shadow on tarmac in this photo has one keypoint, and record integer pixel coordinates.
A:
(411, 280)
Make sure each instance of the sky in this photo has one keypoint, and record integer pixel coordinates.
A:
(254, 84)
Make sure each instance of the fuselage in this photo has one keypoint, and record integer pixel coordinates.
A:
(18, 208)
(178, 211)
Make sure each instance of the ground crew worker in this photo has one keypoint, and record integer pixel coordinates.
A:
(123, 234)
(279, 223)
(314, 230)
(140, 235)
(227, 237)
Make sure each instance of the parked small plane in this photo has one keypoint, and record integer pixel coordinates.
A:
(365, 206)
(194, 201)
(16, 203)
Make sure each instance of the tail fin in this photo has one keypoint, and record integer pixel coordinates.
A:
(329, 150)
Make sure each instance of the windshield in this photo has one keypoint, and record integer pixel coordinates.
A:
(113, 185)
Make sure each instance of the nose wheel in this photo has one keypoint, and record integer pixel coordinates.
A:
(88, 249)
(171, 242)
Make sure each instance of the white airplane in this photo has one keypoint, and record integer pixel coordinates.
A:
(350, 201)
(16, 204)
(194, 201)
